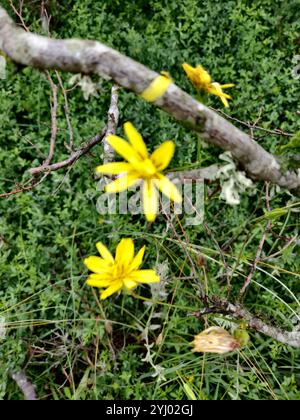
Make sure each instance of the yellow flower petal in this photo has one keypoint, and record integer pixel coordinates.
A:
(137, 260)
(156, 88)
(162, 156)
(125, 252)
(224, 101)
(97, 280)
(216, 89)
(123, 148)
(202, 80)
(150, 200)
(168, 188)
(136, 140)
(190, 71)
(130, 284)
(197, 75)
(104, 252)
(96, 264)
(115, 287)
(114, 168)
(122, 183)
(145, 168)
(227, 85)
(145, 276)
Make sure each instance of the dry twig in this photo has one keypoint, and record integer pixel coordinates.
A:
(259, 249)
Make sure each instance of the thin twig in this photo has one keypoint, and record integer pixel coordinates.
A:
(259, 249)
(184, 247)
(19, 14)
(72, 158)
(208, 230)
(281, 250)
(209, 172)
(67, 113)
(112, 123)
(253, 126)
(33, 182)
(53, 106)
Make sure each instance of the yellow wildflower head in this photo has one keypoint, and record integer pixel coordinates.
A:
(141, 166)
(215, 340)
(202, 81)
(197, 75)
(122, 271)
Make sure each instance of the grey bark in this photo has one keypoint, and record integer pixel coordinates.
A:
(82, 56)
(291, 338)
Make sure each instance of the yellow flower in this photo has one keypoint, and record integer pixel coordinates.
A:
(157, 87)
(141, 166)
(202, 81)
(215, 340)
(114, 274)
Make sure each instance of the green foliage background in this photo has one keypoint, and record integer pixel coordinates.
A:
(55, 328)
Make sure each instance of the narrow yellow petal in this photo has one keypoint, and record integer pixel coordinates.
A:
(97, 265)
(168, 188)
(190, 71)
(145, 168)
(203, 75)
(122, 183)
(145, 276)
(104, 252)
(150, 200)
(129, 284)
(197, 75)
(156, 88)
(96, 280)
(114, 168)
(125, 252)
(136, 140)
(162, 156)
(216, 89)
(225, 102)
(115, 287)
(137, 260)
(124, 149)
(227, 85)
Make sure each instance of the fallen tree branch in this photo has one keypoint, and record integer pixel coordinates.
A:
(87, 57)
(209, 173)
(291, 338)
